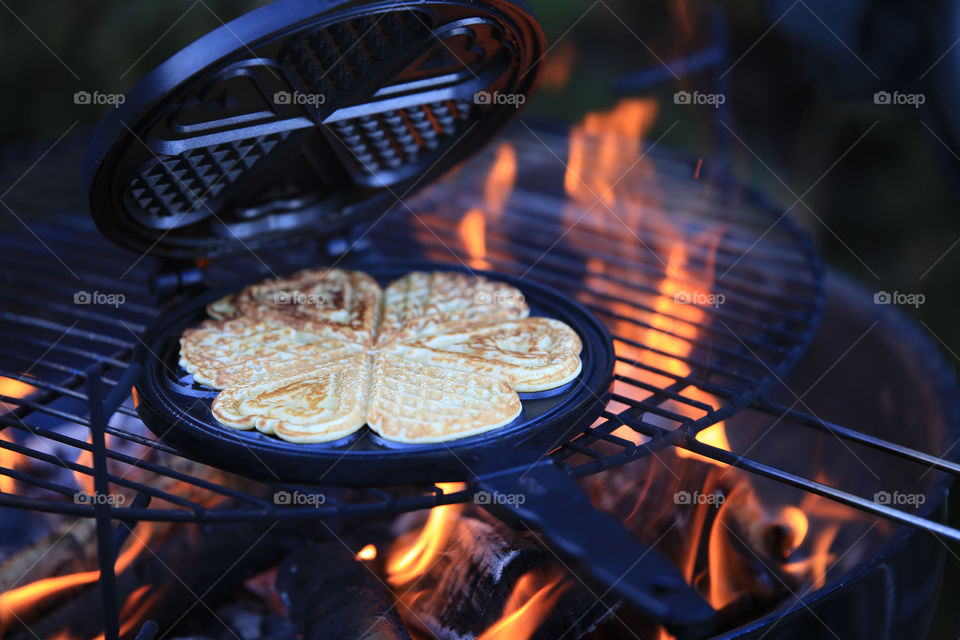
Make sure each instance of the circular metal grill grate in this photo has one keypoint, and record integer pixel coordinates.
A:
(709, 294)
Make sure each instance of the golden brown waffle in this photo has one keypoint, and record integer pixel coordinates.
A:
(433, 357)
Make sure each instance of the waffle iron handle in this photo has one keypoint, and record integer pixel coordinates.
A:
(545, 498)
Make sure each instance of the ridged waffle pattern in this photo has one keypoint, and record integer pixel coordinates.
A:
(174, 186)
(391, 139)
(331, 59)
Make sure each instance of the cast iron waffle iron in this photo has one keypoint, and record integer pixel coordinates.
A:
(307, 117)
(177, 409)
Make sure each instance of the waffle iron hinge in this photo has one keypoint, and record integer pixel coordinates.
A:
(176, 277)
(172, 278)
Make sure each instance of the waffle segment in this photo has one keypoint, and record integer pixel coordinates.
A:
(333, 303)
(422, 304)
(412, 402)
(326, 403)
(530, 354)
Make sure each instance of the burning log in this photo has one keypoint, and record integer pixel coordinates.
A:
(67, 549)
(330, 594)
(467, 575)
(162, 567)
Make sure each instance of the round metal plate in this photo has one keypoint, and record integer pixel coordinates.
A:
(178, 411)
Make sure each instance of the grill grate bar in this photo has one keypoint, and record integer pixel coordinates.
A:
(70, 390)
(136, 462)
(695, 363)
(826, 491)
(666, 393)
(724, 257)
(75, 332)
(738, 352)
(113, 361)
(536, 256)
(35, 286)
(780, 411)
(117, 480)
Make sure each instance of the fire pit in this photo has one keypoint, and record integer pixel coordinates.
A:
(754, 447)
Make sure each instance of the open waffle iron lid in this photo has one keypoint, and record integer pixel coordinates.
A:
(306, 117)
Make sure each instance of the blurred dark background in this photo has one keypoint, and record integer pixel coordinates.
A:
(875, 180)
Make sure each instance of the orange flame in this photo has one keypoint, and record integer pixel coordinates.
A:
(499, 185)
(135, 609)
(11, 388)
(500, 181)
(85, 480)
(655, 350)
(8, 460)
(605, 148)
(413, 554)
(559, 64)
(531, 600)
(473, 234)
(369, 552)
(15, 603)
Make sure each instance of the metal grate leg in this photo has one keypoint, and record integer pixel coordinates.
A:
(101, 506)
